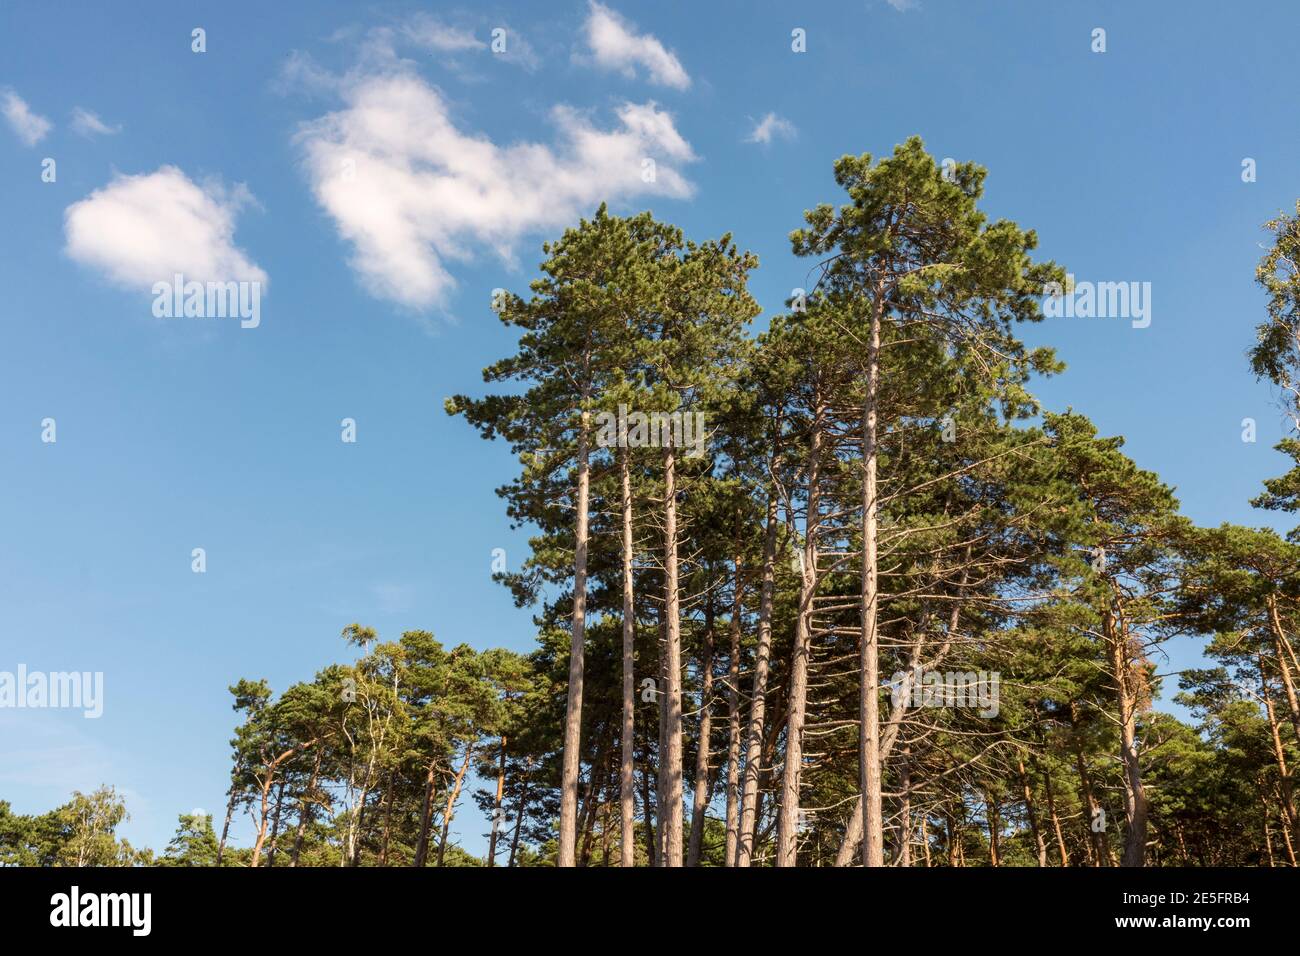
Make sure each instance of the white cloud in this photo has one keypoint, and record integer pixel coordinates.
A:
(902, 6)
(143, 229)
(300, 73)
(771, 127)
(89, 124)
(617, 47)
(30, 127)
(425, 31)
(430, 34)
(410, 191)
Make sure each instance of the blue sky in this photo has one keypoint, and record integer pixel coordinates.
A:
(183, 433)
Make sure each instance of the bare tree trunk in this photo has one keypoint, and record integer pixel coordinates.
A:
(1287, 785)
(573, 711)
(520, 808)
(733, 708)
(604, 832)
(853, 829)
(596, 782)
(626, 796)
(670, 766)
(1030, 815)
(905, 821)
(498, 807)
(388, 817)
(1096, 837)
(758, 698)
(590, 804)
(266, 784)
(1268, 837)
(1282, 646)
(700, 801)
(452, 797)
(1135, 799)
(787, 830)
(651, 839)
(993, 818)
(230, 812)
(360, 827)
(275, 823)
(1286, 830)
(1056, 820)
(261, 828)
(661, 701)
(873, 842)
(426, 816)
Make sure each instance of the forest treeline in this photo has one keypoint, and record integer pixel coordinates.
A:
(895, 614)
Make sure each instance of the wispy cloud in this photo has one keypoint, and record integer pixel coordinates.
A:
(616, 45)
(30, 127)
(771, 127)
(506, 44)
(433, 34)
(89, 124)
(142, 229)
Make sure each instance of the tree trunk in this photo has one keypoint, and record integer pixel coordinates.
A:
(700, 801)
(498, 806)
(994, 819)
(573, 712)
(426, 816)
(758, 698)
(1030, 815)
(1287, 785)
(388, 817)
(661, 706)
(905, 815)
(1056, 820)
(873, 842)
(1135, 799)
(787, 831)
(230, 812)
(853, 830)
(275, 823)
(651, 838)
(590, 806)
(1268, 837)
(670, 766)
(261, 827)
(520, 808)
(267, 783)
(626, 795)
(733, 708)
(1281, 646)
(1096, 837)
(1286, 832)
(452, 797)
